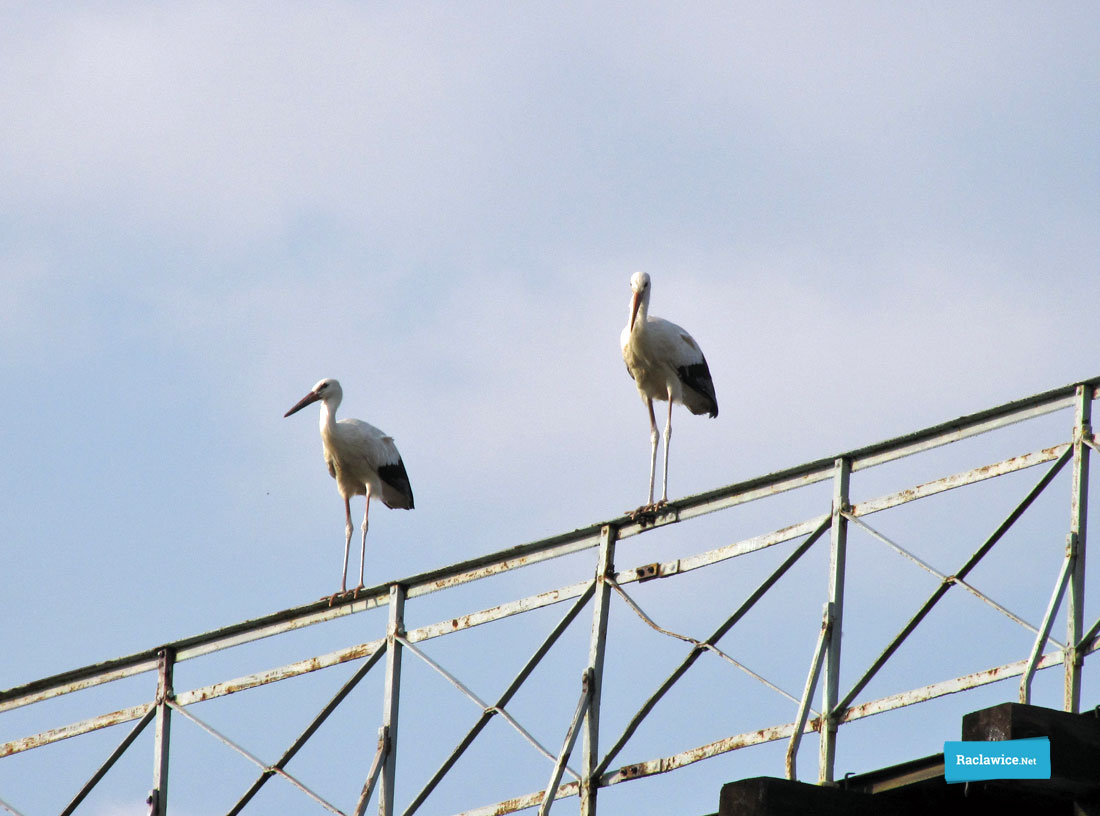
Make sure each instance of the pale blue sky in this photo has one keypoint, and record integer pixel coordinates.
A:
(872, 218)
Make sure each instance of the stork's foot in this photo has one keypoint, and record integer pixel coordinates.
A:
(647, 513)
(343, 594)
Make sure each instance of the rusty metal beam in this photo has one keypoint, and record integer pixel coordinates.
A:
(652, 767)
(693, 755)
(739, 548)
(968, 477)
(185, 649)
(123, 715)
(499, 612)
(945, 687)
(523, 802)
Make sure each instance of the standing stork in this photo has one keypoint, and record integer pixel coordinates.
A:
(666, 364)
(363, 461)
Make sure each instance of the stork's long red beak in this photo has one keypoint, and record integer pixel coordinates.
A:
(312, 396)
(635, 302)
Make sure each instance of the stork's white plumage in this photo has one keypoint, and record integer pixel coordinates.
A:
(363, 461)
(666, 364)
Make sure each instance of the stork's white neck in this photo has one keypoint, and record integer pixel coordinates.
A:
(639, 312)
(328, 415)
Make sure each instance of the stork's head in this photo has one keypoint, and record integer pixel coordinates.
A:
(639, 300)
(328, 391)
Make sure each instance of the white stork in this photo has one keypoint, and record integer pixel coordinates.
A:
(363, 461)
(666, 364)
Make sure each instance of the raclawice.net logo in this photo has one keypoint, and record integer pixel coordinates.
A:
(997, 759)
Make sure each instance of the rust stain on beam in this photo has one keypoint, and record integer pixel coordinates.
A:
(75, 730)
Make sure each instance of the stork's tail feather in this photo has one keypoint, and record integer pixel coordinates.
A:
(396, 490)
(698, 395)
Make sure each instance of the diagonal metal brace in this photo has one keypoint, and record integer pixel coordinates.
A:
(1043, 635)
(570, 741)
(375, 769)
(827, 619)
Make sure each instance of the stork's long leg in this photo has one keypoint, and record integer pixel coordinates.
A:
(347, 542)
(653, 437)
(348, 528)
(363, 549)
(668, 436)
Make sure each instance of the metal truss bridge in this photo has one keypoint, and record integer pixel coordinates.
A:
(749, 586)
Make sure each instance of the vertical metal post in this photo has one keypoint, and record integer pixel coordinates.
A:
(1075, 552)
(391, 697)
(601, 606)
(838, 546)
(158, 796)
